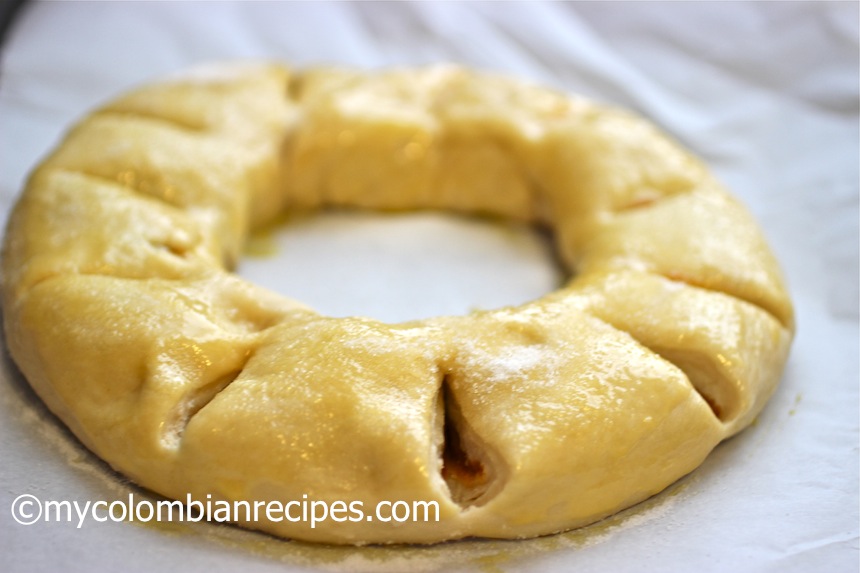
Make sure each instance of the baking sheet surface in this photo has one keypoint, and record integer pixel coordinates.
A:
(766, 93)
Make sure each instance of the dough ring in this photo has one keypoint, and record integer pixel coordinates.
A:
(121, 312)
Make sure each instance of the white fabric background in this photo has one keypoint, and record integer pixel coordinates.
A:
(766, 93)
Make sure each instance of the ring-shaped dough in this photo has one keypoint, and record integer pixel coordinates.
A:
(120, 309)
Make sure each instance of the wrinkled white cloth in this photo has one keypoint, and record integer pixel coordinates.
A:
(765, 93)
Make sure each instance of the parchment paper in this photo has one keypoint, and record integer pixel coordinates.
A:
(766, 93)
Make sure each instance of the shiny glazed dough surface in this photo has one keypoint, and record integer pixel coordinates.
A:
(121, 310)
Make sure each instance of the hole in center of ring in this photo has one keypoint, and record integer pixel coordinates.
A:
(399, 267)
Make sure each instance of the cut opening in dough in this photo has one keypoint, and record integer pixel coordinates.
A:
(295, 87)
(190, 405)
(719, 393)
(171, 247)
(467, 466)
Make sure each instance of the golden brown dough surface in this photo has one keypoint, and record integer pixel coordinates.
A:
(120, 309)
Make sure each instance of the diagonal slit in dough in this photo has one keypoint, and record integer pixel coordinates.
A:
(190, 404)
(467, 466)
(712, 383)
(720, 394)
(758, 302)
(173, 121)
(295, 88)
(118, 184)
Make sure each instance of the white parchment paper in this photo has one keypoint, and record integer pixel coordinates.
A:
(766, 93)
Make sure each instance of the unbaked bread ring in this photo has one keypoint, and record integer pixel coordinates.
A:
(121, 311)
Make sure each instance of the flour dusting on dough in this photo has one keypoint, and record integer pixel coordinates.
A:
(509, 362)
